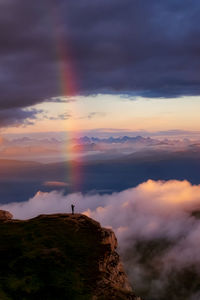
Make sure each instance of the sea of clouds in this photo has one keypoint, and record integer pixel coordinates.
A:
(152, 211)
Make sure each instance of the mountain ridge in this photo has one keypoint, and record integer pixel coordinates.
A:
(60, 256)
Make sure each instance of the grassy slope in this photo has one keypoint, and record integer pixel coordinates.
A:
(46, 258)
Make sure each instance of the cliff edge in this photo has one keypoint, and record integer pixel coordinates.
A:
(60, 256)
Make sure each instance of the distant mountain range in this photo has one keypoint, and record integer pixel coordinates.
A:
(118, 140)
(85, 140)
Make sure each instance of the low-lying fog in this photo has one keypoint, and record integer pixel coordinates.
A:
(157, 225)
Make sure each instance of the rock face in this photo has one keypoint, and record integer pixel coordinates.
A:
(113, 277)
(60, 256)
(5, 215)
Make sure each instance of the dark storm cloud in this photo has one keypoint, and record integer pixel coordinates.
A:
(17, 116)
(61, 100)
(64, 116)
(137, 47)
(93, 114)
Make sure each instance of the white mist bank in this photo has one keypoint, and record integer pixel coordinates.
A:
(152, 210)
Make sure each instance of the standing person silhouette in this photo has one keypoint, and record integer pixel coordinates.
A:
(72, 206)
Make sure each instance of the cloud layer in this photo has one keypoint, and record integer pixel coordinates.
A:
(139, 47)
(155, 212)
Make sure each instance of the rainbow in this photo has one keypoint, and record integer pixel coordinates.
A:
(68, 88)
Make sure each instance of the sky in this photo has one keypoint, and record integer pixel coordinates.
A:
(125, 65)
(116, 113)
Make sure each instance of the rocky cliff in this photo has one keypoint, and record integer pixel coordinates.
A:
(60, 256)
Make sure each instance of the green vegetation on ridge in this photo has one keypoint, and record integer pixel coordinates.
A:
(46, 258)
